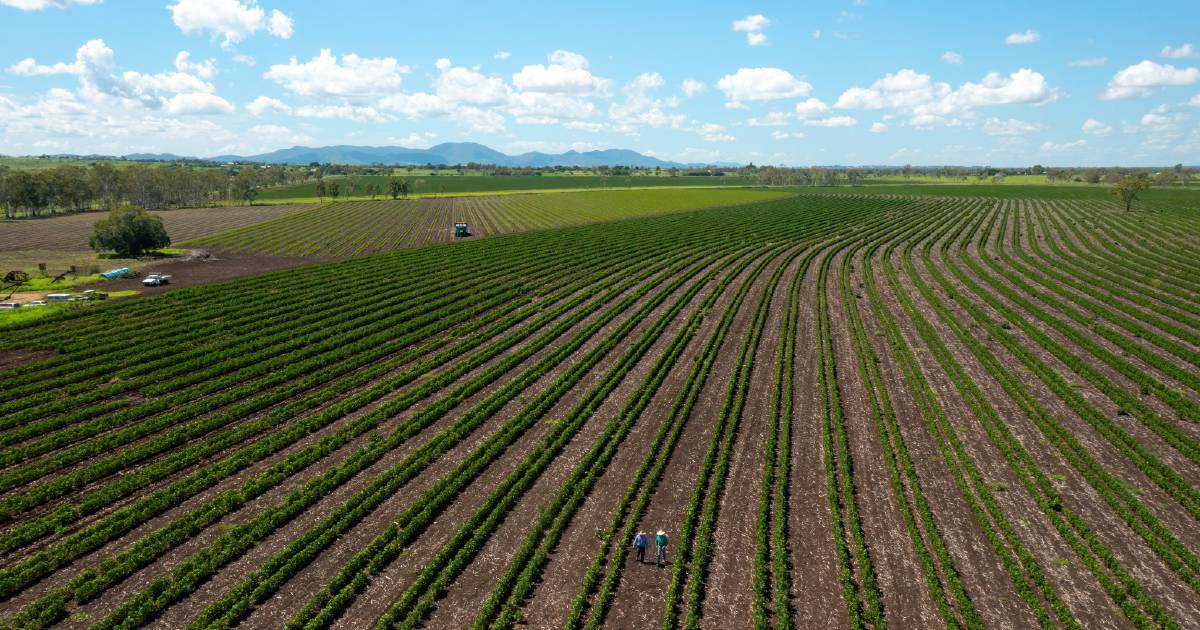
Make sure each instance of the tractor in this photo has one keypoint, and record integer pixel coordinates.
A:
(460, 230)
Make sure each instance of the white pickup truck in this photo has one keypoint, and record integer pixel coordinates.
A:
(156, 280)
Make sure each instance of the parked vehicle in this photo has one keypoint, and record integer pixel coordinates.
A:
(59, 297)
(9, 305)
(37, 303)
(156, 280)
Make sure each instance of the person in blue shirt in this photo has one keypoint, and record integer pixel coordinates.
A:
(639, 546)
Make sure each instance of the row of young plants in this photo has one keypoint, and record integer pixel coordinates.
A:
(443, 491)
(1164, 543)
(360, 227)
(248, 334)
(701, 513)
(1031, 584)
(1041, 272)
(413, 337)
(371, 361)
(595, 595)
(1149, 261)
(1165, 476)
(1113, 578)
(502, 608)
(409, 339)
(327, 351)
(956, 609)
(257, 382)
(1174, 267)
(1064, 233)
(856, 573)
(189, 575)
(299, 461)
(417, 601)
(772, 584)
(124, 520)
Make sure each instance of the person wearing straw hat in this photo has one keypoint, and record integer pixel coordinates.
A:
(639, 546)
(660, 544)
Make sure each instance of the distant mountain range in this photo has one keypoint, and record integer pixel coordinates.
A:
(445, 153)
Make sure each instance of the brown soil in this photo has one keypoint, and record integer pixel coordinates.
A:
(548, 607)
(17, 357)
(466, 594)
(639, 599)
(816, 593)
(729, 594)
(906, 601)
(71, 232)
(207, 268)
(303, 585)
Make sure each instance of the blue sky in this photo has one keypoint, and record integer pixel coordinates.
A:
(866, 82)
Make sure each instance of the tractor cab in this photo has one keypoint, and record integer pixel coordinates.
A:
(460, 230)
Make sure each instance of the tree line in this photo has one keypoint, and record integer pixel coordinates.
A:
(103, 186)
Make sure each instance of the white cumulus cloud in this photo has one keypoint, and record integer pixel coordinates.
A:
(197, 103)
(762, 84)
(265, 106)
(811, 108)
(231, 20)
(203, 69)
(1139, 79)
(929, 103)
(952, 57)
(692, 87)
(752, 26)
(567, 73)
(351, 77)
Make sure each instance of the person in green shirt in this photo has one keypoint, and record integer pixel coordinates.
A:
(660, 544)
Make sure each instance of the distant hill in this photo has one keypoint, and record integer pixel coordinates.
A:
(452, 153)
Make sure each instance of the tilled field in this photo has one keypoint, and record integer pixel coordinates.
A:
(847, 411)
(71, 232)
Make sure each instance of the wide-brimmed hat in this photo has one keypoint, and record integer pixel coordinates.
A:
(662, 533)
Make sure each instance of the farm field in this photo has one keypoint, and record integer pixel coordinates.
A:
(71, 232)
(482, 183)
(847, 410)
(367, 227)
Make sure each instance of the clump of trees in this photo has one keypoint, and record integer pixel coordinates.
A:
(104, 186)
(130, 232)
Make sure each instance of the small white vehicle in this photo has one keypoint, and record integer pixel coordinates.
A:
(9, 305)
(156, 280)
(37, 303)
(59, 297)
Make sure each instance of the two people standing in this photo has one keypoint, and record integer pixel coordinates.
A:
(641, 540)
